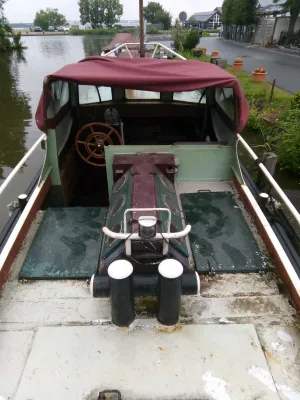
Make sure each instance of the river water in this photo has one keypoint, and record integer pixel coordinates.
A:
(21, 79)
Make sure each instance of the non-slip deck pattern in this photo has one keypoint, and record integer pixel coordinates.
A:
(220, 238)
(67, 244)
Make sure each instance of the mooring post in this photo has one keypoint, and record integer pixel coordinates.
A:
(169, 291)
(121, 293)
(270, 161)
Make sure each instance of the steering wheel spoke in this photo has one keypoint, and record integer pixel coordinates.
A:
(94, 142)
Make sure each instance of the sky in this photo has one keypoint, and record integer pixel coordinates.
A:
(24, 11)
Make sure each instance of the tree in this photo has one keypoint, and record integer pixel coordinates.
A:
(227, 12)
(251, 10)
(49, 17)
(99, 12)
(85, 11)
(192, 21)
(293, 7)
(113, 12)
(240, 12)
(155, 13)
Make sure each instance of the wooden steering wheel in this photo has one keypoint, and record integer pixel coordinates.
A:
(90, 141)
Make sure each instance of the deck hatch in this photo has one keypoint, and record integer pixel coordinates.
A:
(67, 244)
(220, 238)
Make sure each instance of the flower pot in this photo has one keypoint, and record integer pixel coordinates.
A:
(237, 66)
(259, 76)
(215, 55)
(203, 51)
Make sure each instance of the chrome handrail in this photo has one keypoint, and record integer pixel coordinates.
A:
(272, 181)
(125, 45)
(21, 163)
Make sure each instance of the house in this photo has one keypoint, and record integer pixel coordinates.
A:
(273, 23)
(208, 19)
(128, 23)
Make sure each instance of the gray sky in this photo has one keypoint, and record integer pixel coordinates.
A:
(24, 11)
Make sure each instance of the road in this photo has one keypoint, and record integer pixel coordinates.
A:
(283, 67)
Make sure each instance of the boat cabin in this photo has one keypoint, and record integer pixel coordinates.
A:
(142, 220)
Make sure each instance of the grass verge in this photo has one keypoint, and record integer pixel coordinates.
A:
(277, 119)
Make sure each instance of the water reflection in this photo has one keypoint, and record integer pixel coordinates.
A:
(93, 45)
(54, 48)
(15, 112)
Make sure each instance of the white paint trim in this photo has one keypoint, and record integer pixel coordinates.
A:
(274, 240)
(198, 283)
(92, 285)
(145, 44)
(19, 225)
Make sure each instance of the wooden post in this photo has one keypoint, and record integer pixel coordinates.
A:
(270, 160)
(272, 91)
(142, 39)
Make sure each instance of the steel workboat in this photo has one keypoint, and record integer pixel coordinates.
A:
(142, 265)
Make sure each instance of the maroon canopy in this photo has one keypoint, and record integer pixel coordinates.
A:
(146, 74)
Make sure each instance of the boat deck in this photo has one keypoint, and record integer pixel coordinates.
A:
(238, 340)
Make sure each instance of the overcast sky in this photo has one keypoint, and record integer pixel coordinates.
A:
(24, 11)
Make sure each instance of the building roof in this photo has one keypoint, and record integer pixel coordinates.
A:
(205, 15)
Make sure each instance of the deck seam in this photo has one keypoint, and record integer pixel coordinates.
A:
(26, 360)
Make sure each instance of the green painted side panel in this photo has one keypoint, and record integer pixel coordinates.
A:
(166, 196)
(119, 202)
(51, 160)
(67, 244)
(197, 162)
(220, 238)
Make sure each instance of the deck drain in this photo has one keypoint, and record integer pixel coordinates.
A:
(110, 395)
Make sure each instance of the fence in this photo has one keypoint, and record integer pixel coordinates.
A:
(239, 33)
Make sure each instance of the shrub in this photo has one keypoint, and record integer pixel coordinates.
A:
(191, 39)
(296, 101)
(152, 30)
(17, 44)
(286, 138)
(100, 31)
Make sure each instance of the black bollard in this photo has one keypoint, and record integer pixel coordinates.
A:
(22, 198)
(169, 291)
(121, 292)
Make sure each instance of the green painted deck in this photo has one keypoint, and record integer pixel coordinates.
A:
(67, 244)
(220, 238)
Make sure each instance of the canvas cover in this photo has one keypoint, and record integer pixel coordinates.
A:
(145, 74)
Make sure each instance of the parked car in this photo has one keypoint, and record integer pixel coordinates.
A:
(67, 28)
(51, 29)
(38, 29)
(60, 29)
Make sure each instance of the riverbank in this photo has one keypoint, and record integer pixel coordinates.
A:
(274, 115)
(29, 33)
